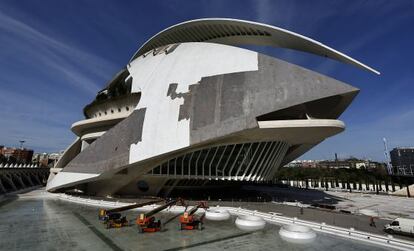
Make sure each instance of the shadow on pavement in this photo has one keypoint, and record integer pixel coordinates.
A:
(293, 194)
(8, 199)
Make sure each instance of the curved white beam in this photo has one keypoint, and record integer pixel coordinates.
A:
(66, 179)
(240, 32)
(301, 123)
(81, 126)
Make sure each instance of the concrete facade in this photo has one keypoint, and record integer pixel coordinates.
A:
(196, 100)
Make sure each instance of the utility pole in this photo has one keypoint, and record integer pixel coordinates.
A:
(336, 160)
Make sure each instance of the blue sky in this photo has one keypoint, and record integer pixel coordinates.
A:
(55, 56)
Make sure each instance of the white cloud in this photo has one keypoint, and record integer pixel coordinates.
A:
(53, 54)
(36, 70)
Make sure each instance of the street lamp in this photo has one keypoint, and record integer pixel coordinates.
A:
(21, 143)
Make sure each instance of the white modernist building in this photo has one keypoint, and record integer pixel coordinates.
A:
(192, 110)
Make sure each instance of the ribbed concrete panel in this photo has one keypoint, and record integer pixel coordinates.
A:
(240, 32)
(253, 161)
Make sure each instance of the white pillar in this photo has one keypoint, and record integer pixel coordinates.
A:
(84, 145)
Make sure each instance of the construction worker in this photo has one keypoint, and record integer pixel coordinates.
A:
(372, 222)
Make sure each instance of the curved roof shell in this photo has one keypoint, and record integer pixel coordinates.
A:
(241, 32)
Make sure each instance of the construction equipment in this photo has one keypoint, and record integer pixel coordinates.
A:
(190, 221)
(146, 222)
(113, 218)
(117, 221)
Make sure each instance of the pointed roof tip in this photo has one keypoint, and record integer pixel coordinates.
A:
(242, 32)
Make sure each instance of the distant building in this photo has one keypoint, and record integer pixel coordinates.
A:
(402, 160)
(303, 163)
(335, 164)
(46, 159)
(16, 155)
(351, 163)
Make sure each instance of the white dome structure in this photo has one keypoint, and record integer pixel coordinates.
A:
(250, 222)
(217, 214)
(297, 234)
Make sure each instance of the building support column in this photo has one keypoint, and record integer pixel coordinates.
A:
(10, 181)
(28, 179)
(37, 179)
(2, 188)
(19, 179)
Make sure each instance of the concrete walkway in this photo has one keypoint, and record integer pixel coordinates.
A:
(358, 222)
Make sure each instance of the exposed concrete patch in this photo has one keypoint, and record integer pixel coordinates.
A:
(229, 103)
(205, 95)
(137, 136)
(233, 92)
(172, 48)
(172, 91)
(185, 108)
(111, 150)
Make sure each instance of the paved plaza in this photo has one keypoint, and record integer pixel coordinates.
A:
(383, 206)
(39, 221)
